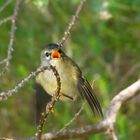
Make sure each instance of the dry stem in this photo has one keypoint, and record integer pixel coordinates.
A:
(72, 22)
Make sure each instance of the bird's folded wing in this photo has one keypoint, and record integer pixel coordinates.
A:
(88, 93)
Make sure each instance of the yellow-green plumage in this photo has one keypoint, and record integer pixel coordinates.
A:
(72, 81)
(68, 79)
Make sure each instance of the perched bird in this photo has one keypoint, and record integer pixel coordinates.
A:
(72, 81)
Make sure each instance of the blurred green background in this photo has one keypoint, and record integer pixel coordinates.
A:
(105, 43)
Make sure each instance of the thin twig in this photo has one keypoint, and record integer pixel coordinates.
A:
(130, 72)
(12, 33)
(5, 95)
(72, 22)
(2, 21)
(6, 138)
(50, 105)
(72, 120)
(12, 37)
(5, 5)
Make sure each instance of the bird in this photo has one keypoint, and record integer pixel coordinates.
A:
(73, 83)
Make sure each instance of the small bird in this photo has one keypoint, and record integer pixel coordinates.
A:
(72, 81)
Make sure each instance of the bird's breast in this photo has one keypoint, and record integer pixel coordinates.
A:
(48, 81)
(67, 77)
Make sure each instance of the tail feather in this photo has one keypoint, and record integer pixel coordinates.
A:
(88, 93)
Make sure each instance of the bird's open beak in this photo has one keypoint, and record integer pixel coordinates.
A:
(55, 54)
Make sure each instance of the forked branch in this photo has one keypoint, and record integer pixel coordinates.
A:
(106, 125)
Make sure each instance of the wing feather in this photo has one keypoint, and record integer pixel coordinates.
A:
(88, 93)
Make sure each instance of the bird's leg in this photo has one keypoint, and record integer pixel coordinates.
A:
(62, 94)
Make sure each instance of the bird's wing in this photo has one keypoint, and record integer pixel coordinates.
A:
(88, 93)
(86, 90)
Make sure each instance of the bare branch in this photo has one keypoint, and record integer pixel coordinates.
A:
(130, 72)
(2, 21)
(12, 37)
(121, 98)
(5, 5)
(111, 132)
(5, 95)
(76, 132)
(50, 105)
(106, 124)
(12, 33)
(6, 138)
(72, 22)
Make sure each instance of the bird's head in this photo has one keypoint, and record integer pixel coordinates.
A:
(51, 54)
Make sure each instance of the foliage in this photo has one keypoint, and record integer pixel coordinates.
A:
(105, 44)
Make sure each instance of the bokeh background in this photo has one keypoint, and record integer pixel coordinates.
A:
(105, 43)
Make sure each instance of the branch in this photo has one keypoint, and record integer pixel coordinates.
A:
(104, 125)
(50, 105)
(2, 21)
(76, 132)
(129, 73)
(13, 18)
(72, 22)
(5, 5)
(5, 95)
(6, 138)
(121, 98)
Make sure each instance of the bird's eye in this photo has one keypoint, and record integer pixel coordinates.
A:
(47, 54)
